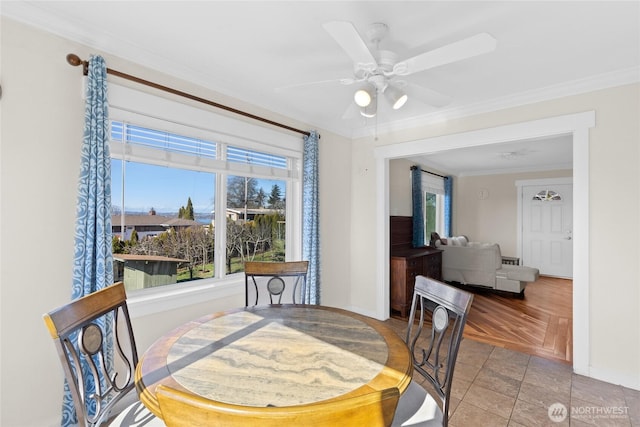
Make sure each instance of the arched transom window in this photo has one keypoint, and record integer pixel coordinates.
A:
(547, 196)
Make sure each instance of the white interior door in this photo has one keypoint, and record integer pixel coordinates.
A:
(547, 228)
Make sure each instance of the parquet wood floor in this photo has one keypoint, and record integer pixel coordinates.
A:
(541, 324)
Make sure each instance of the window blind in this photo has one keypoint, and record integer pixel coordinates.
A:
(432, 184)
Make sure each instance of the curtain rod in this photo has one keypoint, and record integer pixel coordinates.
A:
(431, 173)
(74, 60)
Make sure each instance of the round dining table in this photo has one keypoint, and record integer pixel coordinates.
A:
(276, 355)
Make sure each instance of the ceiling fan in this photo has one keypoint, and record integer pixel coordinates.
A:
(377, 72)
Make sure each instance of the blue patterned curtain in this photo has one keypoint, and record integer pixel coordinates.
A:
(448, 203)
(93, 261)
(310, 218)
(418, 214)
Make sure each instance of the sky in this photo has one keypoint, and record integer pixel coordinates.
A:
(167, 189)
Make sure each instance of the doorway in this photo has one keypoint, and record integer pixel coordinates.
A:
(545, 225)
(577, 125)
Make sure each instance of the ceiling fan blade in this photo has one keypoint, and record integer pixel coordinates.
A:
(349, 39)
(429, 96)
(457, 51)
(345, 82)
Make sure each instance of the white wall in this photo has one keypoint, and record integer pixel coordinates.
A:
(614, 335)
(400, 202)
(40, 135)
(41, 131)
(494, 218)
(335, 223)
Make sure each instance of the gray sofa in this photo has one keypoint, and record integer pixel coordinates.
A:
(480, 264)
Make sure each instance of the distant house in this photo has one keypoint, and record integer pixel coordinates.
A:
(147, 225)
(145, 271)
(237, 214)
(152, 224)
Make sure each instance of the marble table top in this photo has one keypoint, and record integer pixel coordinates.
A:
(279, 355)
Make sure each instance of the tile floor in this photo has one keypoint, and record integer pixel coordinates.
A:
(495, 387)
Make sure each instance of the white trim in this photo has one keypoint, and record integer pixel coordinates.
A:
(360, 310)
(150, 110)
(155, 112)
(158, 157)
(383, 252)
(145, 302)
(575, 124)
(293, 195)
(560, 125)
(614, 377)
(589, 84)
(220, 218)
(581, 242)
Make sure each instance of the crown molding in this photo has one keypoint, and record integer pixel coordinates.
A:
(40, 16)
(589, 84)
(503, 171)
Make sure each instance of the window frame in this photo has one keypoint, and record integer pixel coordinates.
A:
(147, 110)
(433, 184)
(439, 224)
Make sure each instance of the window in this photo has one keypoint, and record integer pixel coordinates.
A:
(547, 196)
(169, 180)
(433, 194)
(434, 214)
(163, 218)
(256, 221)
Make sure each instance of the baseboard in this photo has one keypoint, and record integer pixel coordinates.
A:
(361, 311)
(617, 378)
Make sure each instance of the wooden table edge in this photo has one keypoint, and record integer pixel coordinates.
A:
(392, 374)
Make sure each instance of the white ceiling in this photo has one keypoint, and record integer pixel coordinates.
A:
(552, 153)
(253, 50)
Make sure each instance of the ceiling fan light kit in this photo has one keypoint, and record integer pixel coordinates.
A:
(370, 110)
(396, 97)
(364, 95)
(377, 68)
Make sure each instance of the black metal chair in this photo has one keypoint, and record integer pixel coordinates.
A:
(443, 309)
(278, 274)
(78, 332)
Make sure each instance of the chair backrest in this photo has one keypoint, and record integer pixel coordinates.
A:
(98, 377)
(180, 409)
(277, 274)
(445, 309)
